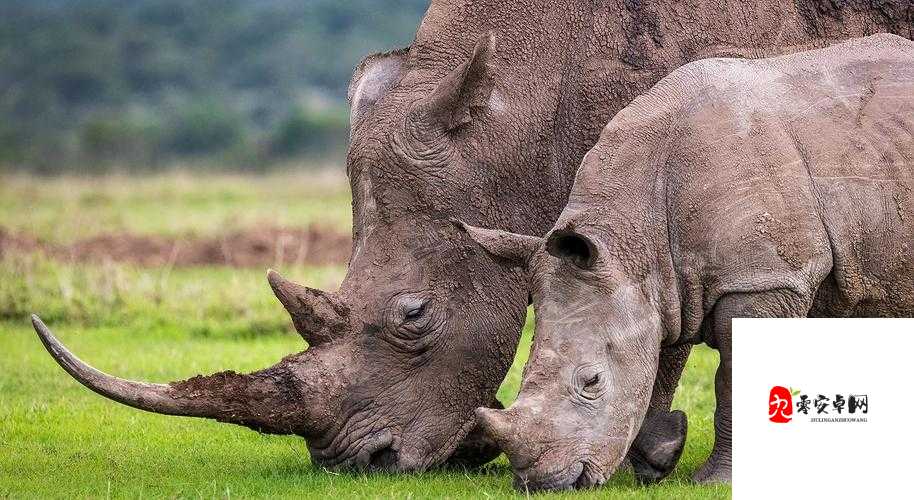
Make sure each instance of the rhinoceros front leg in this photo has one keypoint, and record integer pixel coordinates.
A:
(477, 449)
(772, 304)
(656, 450)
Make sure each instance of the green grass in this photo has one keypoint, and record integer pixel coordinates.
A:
(63, 209)
(62, 440)
(58, 439)
(204, 301)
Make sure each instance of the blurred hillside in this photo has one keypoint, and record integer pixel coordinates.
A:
(90, 85)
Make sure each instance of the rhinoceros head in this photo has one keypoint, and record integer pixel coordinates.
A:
(425, 324)
(432, 322)
(588, 383)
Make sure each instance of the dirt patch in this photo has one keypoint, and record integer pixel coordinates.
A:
(249, 248)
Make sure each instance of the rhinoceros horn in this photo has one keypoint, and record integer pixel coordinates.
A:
(267, 401)
(318, 316)
(496, 423)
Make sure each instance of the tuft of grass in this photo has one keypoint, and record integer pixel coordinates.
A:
(204, 301)
(63, 209)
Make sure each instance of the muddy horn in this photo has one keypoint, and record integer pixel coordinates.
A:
(256, 400)
(318, 316)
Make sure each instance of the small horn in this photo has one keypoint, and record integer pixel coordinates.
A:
(252, 400)
(495, 423)
(317, 315)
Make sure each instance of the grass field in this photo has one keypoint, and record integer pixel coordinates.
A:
(57, 439)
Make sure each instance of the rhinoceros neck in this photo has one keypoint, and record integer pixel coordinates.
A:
(622, 188)
(540, 44)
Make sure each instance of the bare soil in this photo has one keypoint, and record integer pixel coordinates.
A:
(248, 248)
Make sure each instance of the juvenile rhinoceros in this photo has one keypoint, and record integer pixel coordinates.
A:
(485, 117)
(780, 187)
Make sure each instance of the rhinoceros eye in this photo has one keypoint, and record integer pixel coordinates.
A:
(415, 312)
(592, 382)
(415, 315)
(415, 319)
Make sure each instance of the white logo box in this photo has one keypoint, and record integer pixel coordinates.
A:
(810, 458)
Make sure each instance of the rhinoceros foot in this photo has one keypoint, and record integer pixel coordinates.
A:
(656, 451)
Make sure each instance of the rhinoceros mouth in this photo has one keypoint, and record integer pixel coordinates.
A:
(564, 479)
(578, 475)
(371, 451)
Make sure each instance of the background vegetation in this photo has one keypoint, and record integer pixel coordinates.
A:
(89, 85)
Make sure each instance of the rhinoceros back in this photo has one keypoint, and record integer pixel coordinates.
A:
(799, 170)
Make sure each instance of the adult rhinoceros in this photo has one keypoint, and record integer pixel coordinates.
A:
(779, 187)
(485, 117)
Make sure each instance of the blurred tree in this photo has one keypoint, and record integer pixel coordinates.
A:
(218, 75)
(316, 131)
(107, 141)
(204, 127)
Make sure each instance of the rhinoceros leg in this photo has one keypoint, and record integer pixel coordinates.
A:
(779, 303)
(659, 444)
(656, 450)
(477, 449)
(718, 467)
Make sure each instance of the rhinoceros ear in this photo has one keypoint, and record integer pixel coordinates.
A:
(516, 248)
(466, 87)
(372, 78)
(573, 246)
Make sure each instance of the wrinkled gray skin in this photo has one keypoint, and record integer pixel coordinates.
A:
(485, 117)
(781, 187)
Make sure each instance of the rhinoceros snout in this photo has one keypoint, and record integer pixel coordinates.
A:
(577, 476)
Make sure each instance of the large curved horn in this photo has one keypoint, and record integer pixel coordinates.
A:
(317, 315)
(255, 400)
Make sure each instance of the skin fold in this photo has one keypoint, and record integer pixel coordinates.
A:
(484, 118)
(778, 187)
